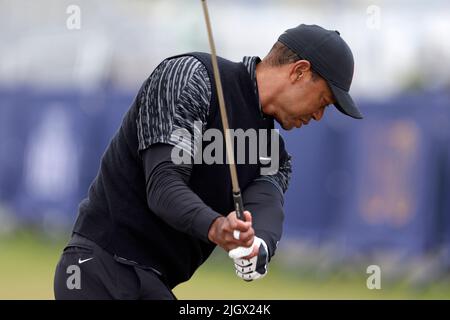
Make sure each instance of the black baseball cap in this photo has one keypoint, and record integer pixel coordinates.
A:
(330, 57)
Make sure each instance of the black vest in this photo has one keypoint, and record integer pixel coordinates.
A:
(116, 216)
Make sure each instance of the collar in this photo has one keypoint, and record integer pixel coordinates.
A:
(250, 63)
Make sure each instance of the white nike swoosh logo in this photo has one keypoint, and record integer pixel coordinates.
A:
(83, 261)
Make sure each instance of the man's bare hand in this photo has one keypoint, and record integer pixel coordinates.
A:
(221, 231)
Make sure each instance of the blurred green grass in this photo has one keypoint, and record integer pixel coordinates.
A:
(28, 260)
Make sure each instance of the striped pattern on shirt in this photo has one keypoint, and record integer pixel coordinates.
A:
(176, 94)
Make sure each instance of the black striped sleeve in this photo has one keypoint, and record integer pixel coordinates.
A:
(175, 95)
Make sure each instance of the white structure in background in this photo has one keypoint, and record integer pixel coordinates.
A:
(51, 164)
(396, 43)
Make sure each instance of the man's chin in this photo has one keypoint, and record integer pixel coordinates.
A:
(287, 127)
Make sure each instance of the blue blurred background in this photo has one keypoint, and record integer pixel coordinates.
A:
(375, 191)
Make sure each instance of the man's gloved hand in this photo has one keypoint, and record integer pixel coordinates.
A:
(255, 267)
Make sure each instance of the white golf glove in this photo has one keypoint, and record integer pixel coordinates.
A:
(254, 268)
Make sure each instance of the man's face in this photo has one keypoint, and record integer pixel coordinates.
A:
(302, 96)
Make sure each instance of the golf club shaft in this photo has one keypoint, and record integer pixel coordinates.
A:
(238, 204)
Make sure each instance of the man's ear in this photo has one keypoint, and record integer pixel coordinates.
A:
(299, 69)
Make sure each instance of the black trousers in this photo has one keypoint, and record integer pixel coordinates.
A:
(85, 271)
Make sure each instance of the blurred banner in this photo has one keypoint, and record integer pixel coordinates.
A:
(377, 184)
(51, 145)
(445, 221)
(395, 159)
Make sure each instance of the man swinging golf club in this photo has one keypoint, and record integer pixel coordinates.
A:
(148, 223)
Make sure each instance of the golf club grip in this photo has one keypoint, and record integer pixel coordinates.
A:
(238, 205)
